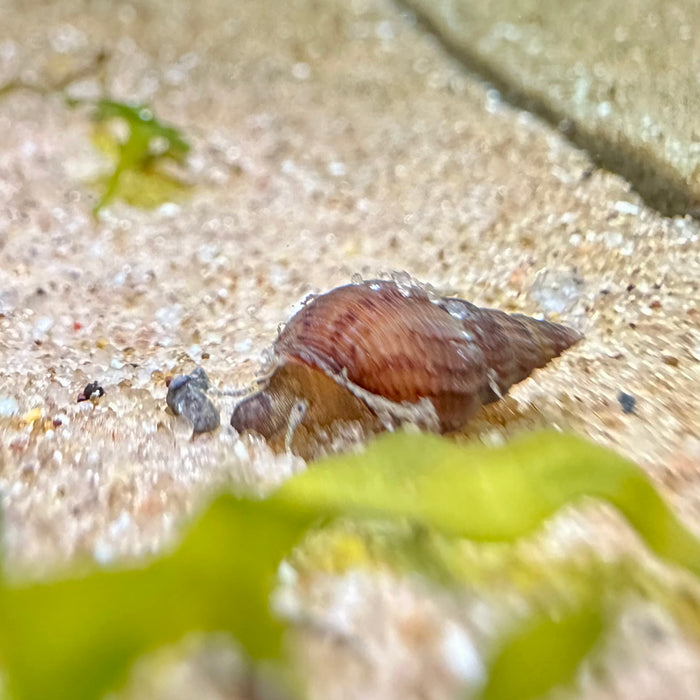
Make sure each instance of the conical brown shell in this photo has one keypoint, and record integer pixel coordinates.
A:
(398, 343)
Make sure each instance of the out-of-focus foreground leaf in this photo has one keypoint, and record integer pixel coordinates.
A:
(75, 639)
(501, 495)
(544, 653)
(489, 494)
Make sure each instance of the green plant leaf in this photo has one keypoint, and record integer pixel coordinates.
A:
(488, 494)
(136, 177)
(544, 653)
(74, 639)
(141, 119)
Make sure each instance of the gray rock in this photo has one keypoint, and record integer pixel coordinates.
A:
(187, 397)
(616, 77)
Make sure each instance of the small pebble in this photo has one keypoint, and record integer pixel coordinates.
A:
(8, 406)
(91, 390)
(670, 360)
(557, 290)
(627, 401)
(624, 207)
(195, 353)
(187, 397)
(32, 416)
(41, 328)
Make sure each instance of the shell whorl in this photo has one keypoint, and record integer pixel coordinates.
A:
(399, 343)
(403, 346)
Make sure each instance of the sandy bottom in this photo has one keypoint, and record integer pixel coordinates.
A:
(327, 140)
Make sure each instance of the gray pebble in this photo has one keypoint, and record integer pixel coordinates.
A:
(187, 397)
(627, 401)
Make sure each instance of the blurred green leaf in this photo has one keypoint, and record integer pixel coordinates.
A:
(544, 653)
(75, 639)
(488, 494)
(146, 189)
(500, 495)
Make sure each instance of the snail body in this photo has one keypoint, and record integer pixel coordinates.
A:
(380, 353)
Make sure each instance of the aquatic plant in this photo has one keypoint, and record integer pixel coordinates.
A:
(138, 175)
(75, 638)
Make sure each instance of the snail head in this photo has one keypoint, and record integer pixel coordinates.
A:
(262, 413)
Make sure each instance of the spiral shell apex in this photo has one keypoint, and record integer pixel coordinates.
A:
(381, 353)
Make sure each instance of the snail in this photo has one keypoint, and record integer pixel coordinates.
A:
(379, 353)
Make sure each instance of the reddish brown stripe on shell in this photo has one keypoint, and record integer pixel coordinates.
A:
(399, 344)
(400, 347)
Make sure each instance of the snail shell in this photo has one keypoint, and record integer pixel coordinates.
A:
(381, 353)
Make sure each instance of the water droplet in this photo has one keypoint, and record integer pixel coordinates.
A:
(432, 294)
(457, 308)
(404, 282)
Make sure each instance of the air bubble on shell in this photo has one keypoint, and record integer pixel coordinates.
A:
(309, 298)
(433, 296)
(404, 282)
(456, 309)
(357, 278)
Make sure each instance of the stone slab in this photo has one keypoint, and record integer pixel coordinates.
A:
(619, 78)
